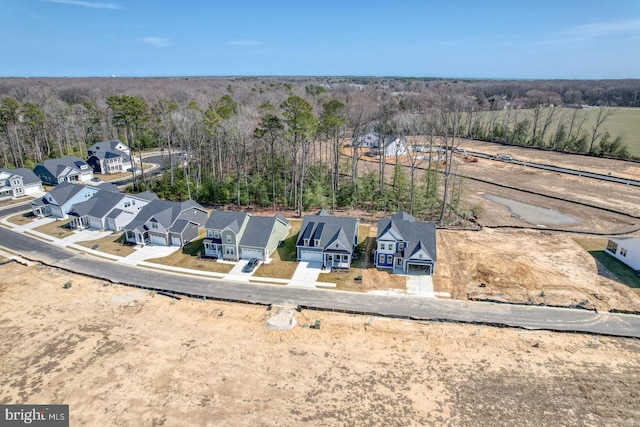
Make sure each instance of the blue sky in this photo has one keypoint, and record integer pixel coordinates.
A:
(543, 39)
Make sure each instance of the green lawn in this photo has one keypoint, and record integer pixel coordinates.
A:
(596, 247)
(625, 122)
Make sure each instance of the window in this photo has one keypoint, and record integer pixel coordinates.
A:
(316, 242)
(381, 261)
(154, 225)
(389, 259)
(216, 234)
(228, 238)
(229, 251)
(623, 252)
(127, 204)
(306, 242)
(612, 246)
(330, 258)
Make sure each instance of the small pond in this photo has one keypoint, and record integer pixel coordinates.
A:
(534, 214)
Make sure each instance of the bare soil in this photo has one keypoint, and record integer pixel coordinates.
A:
(122, 356)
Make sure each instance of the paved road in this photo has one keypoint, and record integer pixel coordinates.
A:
(576, 172)
(395, 306)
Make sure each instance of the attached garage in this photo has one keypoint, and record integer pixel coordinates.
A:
(157, 240)
(95, 223)
(176, 241)
(419, 269)
(252, 253)
(311, 256)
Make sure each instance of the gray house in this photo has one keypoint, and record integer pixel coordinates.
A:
(108, 210)
(59, 201)
(329, 240)
(405, 245)
(238, 235)
(109, 157)
(19, 182)
(65, 169)
(166, 223)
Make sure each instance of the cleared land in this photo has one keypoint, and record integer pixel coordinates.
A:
(121, 356)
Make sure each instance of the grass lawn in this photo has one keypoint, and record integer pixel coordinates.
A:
(8, 202)
(59, 229)
(284, 258)
(21, 219)
(113, 245)
(596, 247)
(189, 257)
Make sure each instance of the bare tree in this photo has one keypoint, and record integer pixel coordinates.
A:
(596, 130)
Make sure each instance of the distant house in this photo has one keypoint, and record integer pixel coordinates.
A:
(108, 210)
(329, 240)
(625, 249)
(59, 201)
(405, 245)
(166, 223)
(19, 182)
(64, 169)
(390, 144)
(238, 235)
(109, 157)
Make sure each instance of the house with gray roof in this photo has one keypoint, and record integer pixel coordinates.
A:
(59, 201)
(65, 169)
(108, 210)
(391, 144)
(238, 235)
(167, 223)
(405, 245)
(19, 182)
(109, 157)
(328, 240)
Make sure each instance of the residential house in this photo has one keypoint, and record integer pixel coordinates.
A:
(625, 249)
(166, 223)
(59, 201)
(64, 169)
(109, 157)
(405, 245)
(238, 235)
(108, 210)
(329, 240)
(390, 144)
(19, 182)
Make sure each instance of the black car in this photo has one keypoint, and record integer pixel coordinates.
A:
(253, 262)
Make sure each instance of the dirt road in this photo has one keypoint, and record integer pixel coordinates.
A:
(121, 356)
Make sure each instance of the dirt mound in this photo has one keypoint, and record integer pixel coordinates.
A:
(525, 266)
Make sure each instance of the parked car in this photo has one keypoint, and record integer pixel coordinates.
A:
(134, 169)
(505, 157)
(253, 263)
(95, 179)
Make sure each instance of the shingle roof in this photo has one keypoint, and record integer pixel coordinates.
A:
(64, 192)
(57, 166)
(28, 177)
(219, 220)
(258, 231)
(329, 229)
(165, 212)
(99, 205)
(418, 235)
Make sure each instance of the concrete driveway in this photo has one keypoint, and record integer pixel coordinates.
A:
(306, 274)
(152, 251)
(420, 285)
(88, 234)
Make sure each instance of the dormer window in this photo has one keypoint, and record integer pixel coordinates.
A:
(306, 242)
(316, 242)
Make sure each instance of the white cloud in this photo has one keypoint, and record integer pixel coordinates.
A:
(156, 41)
(89, 4)
(600, 29)
(245, 43)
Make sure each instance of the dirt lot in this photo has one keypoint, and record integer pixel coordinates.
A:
(121, 356)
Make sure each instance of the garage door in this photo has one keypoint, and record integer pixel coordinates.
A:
(158, 240)
(95, 223)
(175, 241)
(252, 253)
(419, 269)
(311, 256)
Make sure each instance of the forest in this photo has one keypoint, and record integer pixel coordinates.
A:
(282, 142)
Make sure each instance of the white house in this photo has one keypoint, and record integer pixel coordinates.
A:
(625, 249)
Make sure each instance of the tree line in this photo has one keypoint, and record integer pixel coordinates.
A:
(282, 143)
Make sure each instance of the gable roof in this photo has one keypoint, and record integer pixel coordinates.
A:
(328, 230)
(164, 212)
(107, 146)
(219, 220)
(259, 230)
(28, 177)
(417, 234)
(59, 166)
(97, 206)
(64, 192)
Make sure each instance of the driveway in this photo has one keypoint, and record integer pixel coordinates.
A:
(420, 285)
(306, 274)
(87, 235)
(236, 272)
(152, 251)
